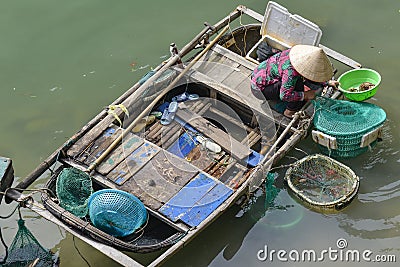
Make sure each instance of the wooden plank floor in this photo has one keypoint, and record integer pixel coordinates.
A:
(129, 143)
(94, 150)
(155, 175)
(133, 163)
(236, 84)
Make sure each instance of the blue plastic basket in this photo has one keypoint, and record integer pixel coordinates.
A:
(116, 212)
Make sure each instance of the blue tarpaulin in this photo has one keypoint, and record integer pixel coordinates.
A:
(197, 200)
(183, 145)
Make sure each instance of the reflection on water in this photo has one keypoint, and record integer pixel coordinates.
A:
(385, 151)
(63, 62)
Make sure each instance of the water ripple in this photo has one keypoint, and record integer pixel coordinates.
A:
(384, 150)
(384, 193)
(371, 228)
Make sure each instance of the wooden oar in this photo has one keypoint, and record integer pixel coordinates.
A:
(149, 107)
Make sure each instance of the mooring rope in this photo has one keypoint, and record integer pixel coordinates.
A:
(244, 36)
(9, 215)
(80, 254)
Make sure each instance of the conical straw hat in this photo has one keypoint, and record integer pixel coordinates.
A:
(311, 62)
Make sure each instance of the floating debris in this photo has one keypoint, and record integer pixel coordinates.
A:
(133, 65)
(55, 88)
(144, 67)
(90, 72)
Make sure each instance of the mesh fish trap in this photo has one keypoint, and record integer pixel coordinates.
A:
(73, 189)
(116, 212)
(322, 181)
(25, 250)
(352, 125)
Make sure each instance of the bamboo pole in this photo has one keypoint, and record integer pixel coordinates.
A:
(149, 107)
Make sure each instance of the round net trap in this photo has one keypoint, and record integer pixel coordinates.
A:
(348, 122)
(322, 182)
(25, 250)
(73, 189)
(116, 212)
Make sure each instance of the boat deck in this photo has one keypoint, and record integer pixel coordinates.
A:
(161, 162)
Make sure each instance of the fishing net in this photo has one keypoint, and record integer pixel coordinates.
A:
(348, 122)
(25, 250)
(322, 181)
(73, 189)
(271, 191)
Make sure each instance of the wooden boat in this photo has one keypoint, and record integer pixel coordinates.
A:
(159, 163)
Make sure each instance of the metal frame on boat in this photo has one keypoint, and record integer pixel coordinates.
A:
(159, 164)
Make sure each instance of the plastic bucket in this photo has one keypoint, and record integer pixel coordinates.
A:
(354, 78)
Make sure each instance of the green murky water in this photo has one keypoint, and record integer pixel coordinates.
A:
(61, 62)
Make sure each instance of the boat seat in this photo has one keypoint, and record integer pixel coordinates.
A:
(225, 140)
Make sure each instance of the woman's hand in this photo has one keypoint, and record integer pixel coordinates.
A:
(333, 83)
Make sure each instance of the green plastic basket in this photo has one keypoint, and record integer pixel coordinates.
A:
(354, 78)
(348, 122)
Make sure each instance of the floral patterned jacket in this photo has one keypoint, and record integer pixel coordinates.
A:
(274, 69)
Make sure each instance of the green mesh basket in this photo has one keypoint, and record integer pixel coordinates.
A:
(348, 122)
(322, 182)
(73, 189)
